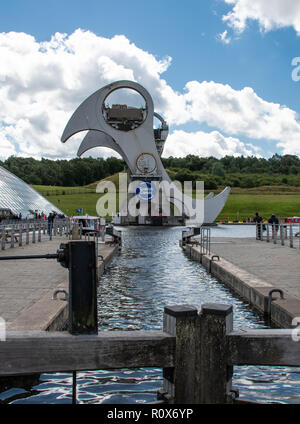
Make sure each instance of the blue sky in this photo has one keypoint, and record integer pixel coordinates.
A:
(255, 52)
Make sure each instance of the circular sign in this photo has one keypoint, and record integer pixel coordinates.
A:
(146, 163)
(146, 190)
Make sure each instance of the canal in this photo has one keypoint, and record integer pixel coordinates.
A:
(151, 272)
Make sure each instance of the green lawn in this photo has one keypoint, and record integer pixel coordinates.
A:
(245, 205)
(70, 202)
(242, 203)
(47, 191)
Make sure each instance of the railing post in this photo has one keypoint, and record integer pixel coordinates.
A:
(282, 234)
(291, 236)
(268, 233)
(33, 233)
(82, 287)
(286, 231)
(75, 232)
(12, 237)
(3, 239)
(103, 234)
(20, 235)
(274, 233)
(258, 231)
(27, 234)
(179, 382)
(96, 244)
(207, 241)
(39, 233)
(213, 374)
(201, 240)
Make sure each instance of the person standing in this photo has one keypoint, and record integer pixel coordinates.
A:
(50, 223)
(258, 219)
(275, 224)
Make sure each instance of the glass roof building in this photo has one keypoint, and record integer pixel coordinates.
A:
(19, 197)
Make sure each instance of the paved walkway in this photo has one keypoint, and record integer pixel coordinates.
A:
(276, 264)
(25, 284)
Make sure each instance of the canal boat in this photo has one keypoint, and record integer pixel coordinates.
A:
(293, 220)
(89, 223)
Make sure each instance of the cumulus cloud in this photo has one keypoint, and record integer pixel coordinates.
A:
(41, 84)
(224, 37)
(270, 14)
(243, 112)
(7, 146)
(181, 143)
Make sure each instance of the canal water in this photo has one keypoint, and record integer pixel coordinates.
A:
(151, 272)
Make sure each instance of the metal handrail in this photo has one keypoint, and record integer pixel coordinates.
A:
(283, 233)
(203, 238)
(13, 233)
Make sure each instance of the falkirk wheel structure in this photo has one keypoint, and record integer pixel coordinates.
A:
(130, 132)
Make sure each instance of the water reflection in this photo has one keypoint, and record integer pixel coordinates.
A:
(151, 272)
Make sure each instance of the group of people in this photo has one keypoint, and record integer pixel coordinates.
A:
(51, 217)
(272, 220)
(42, 216)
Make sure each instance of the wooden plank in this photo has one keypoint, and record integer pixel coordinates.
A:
(36, 352)
(263, 347)
(214, 375)
(179, 383)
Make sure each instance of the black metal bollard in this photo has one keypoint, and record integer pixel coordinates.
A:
(81, 258)
(81, 261)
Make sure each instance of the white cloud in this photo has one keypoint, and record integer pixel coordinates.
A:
(181, 144)
(224, 37)
(270, 14)
(243, 112)
(41, 84)
(102, 152)
(7, 147)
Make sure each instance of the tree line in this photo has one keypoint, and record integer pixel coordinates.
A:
(234, 171)
(277, 164)
(69, 173)
(244, 172)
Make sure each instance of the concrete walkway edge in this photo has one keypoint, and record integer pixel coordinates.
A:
(51, 315)
(249, 287)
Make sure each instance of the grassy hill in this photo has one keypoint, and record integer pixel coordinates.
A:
(68, 199)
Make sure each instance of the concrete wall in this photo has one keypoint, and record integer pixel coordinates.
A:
(248, 287)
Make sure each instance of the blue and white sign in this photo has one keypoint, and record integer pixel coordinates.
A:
(146, 190)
